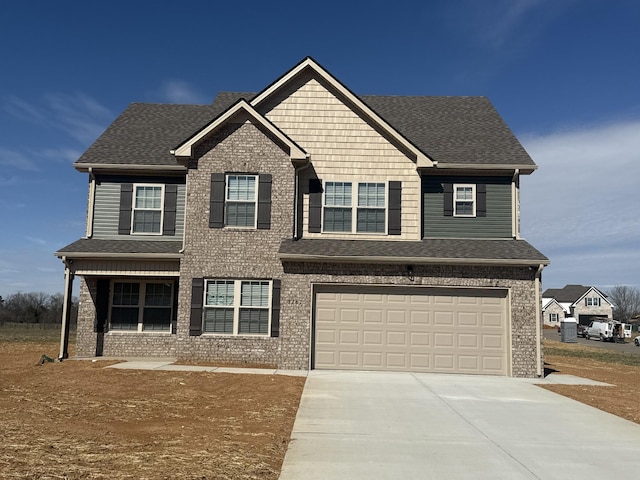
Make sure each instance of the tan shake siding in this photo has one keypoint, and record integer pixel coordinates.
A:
(232, 252)
(343, 146)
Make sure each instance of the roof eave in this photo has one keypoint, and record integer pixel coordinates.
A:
(118, 167)
(119, 256)
(522, 169)
(412, 260)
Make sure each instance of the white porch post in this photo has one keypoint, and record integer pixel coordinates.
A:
(66, 313)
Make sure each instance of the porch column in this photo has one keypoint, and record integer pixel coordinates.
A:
(66, 313)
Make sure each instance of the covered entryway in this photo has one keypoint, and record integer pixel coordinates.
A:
(449, 330)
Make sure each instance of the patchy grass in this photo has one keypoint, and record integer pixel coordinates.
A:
(620, 370)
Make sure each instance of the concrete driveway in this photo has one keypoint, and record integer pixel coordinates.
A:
(373, 425)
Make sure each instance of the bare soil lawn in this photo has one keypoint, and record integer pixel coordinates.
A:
(622, 371)
(76, 420)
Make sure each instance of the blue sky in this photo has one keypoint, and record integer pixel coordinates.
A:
(564, 74)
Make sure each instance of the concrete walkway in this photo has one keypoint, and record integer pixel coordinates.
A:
(373, 425)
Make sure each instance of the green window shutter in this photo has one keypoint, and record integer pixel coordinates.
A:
(481, 200)
(216, 201)
(101, 322)
(275, 308)
(126, 200)
(315, 205)
(170, 202)
(264, 201)
(395, 208)
(195, 320)
(447, 189)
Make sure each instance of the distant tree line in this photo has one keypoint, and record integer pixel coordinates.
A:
(35, 308)
(626, 302)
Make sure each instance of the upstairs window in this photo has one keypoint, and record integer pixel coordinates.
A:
(147, 209)
(592, 301)
(241, 201)
(553, 317)
(464, 200)
(369, 216)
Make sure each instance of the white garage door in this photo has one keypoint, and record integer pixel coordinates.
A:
(411, 329)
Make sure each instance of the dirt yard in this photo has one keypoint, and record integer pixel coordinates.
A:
(620, 399)
(76, 420)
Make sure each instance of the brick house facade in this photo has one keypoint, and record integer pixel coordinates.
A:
(306, 227)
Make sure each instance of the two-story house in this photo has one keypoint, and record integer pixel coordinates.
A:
(307, 227)
(578, 301)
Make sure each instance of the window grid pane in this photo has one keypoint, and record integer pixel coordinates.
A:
(218, 320)
(146, 221)
(126, 293)
(371, 195)
(338, 194)
(253, 321)
(337, 220)
(371, 220)
(156, 318)
(124, 318)
(220, 292)
(241, 188)
(148, 197)
(241, 214)
(254, 294)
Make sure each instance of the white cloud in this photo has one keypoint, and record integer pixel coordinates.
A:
(178, 91)
(79, 115)
(581, 208)
(16, 159)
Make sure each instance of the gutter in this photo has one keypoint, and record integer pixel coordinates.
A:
(413, 260)
(107, 255)
(84, 167)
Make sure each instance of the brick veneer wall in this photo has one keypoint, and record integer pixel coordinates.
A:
(296, 301)
(234, 252)
(115, 344)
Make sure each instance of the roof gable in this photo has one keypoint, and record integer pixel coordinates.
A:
(235, 112)
(573, 294)
(310, 67)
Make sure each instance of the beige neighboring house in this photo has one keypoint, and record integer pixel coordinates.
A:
(584, 303)
(307, 227)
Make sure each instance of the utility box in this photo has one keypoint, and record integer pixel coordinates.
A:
(569, 330)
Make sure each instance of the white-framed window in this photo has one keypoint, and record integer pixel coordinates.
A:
(464, 200)
(553, 317)
(592, 301)
(369, 214)
(141, 306)
(241, 201)
(147, 209)
(237, 307)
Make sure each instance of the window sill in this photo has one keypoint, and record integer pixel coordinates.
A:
(132, 332)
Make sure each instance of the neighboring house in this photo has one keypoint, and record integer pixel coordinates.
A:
(308, 227)
(577, 301)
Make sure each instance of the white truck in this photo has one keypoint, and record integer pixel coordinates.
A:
(607, 331)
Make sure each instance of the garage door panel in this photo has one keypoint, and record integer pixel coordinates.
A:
(417, 329)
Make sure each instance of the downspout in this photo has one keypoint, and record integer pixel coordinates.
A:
(538, 280)
(184, 215)
(515, 204)
(296, 200)
(90, 207)
(66, 311)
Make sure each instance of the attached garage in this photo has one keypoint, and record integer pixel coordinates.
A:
(420, 329)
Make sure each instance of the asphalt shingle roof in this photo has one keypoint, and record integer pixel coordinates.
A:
(92, 245)
(435, 249)
(461, 130)
(567, 294)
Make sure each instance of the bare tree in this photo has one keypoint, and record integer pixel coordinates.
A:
(626, 302)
